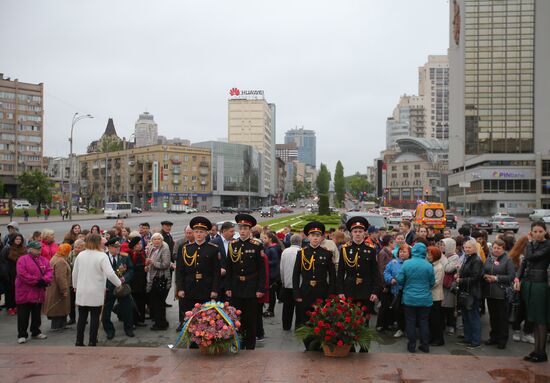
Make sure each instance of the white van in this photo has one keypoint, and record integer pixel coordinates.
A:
(21, 204)
(539, 214)
(117, 210)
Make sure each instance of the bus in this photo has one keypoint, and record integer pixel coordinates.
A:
(117, 210)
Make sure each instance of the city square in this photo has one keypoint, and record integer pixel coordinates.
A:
(275, 192)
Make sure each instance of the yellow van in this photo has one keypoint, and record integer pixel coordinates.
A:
(430, 214)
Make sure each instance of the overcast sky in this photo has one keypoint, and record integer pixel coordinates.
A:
(336, 67)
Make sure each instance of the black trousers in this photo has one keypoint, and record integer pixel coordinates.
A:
(24, 311)
(274, 293)
(417, 316)
(10, 295)
(385, 317)
(248, 307)
(288, 309)
(125, 312)
(140, 300)
(83, 311)
(449, 316)
(437, 324)
(260, 320)
(158, 307)
(72, 314)
(498, 317)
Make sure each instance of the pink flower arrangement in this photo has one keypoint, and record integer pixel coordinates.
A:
(213, 326)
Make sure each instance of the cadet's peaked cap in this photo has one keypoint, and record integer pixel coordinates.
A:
(200, 223)
(245, 219)
(357, 222)
(115, 241)
(314, 227)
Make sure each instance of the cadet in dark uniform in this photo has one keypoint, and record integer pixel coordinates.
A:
(315, 267)
(358, 274)
(123, 266)
(245, 278)
(198, 269)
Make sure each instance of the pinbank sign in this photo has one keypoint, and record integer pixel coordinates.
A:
(238, 93)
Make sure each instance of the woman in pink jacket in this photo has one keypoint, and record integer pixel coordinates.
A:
(49, 247)
(34, 273)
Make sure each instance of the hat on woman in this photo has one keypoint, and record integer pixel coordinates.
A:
(133, 242)
(34, 245)
(64, 249)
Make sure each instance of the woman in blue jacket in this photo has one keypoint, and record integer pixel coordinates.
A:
(390, 278)
(417, 279)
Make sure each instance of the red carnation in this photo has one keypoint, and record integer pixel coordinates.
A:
(364, 308)
(348, 319)
(320, 323)
(328, 338)
(340, 343)
(339, 312)
(325, 310)
(316, 330)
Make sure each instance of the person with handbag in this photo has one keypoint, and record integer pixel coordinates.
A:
(390, 277)
(532, 281)
(157, 265)
(123, 267)
(468, 279)
(498, 274)
(448, 304)
(34, 273)
(417, 279)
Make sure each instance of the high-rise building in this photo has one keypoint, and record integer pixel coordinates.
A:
(306, 142)
(251, 121)
(146, 130)
(21, 130)
(407, 120)
(499, 115)
(433, 86)
(287, 152)
(236, 174)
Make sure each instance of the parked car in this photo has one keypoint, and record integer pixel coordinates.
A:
(479, 223)
(244, 210)
(191, 210)
(22, 205)
(136, 210)
(266, 212)
(539, 214)
(500, 214)
(546, 219)
(286, 210)
(452, 220)
(394, 219)
(375, 220)
(506, 223)
(81, 210)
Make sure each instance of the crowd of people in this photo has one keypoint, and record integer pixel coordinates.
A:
(420, 284)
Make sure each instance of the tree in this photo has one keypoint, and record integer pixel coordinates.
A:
(323, 180)
(35, 186)
(339, 184)
(358, 183)
(1, 188)
(110, 144)
(301, 190)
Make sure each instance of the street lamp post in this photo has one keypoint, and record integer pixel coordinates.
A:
(76, 118)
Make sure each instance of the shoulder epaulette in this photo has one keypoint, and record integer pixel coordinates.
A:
(370, 245)
(255, 241)
(234, 241)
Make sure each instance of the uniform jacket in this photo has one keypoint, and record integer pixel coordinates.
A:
(201, 276)
(128, 273)
(322, 273)
(417, 278)
(56, 304)
(30, 270)
(361, 280)
(245, 268)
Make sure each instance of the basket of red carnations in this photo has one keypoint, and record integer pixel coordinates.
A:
(213, 326)
(338, 324)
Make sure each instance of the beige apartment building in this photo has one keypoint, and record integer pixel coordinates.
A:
(252, 122)
(21, 133)
(153, 177)
(433, 87)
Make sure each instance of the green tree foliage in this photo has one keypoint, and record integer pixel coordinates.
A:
(1, 188)
(358, 183)
(110, 144)
(35, 186)
(323, 180)
(301, 190)
(339, 184)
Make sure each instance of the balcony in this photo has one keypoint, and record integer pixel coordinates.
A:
(204, 182)
(175, 160)
(176, 170)
(176, 181)
(203, 171)
(204, 164)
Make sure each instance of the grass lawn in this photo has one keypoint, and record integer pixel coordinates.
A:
(297, 221)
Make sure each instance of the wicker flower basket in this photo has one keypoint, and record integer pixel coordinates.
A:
(338, 351)
(204, 351)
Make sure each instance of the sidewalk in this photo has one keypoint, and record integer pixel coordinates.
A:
(106, 364)
(4, 220)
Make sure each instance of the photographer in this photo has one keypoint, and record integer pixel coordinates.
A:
(34, 273)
